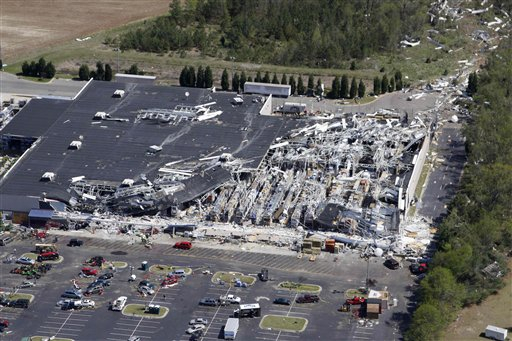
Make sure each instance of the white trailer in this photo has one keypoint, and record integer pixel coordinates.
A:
(496, 333)
(280, 90)
(231, 328)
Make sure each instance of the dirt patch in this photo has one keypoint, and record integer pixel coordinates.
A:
(495, 310)
(32, 24)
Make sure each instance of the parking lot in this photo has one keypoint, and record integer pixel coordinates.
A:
(349, 271)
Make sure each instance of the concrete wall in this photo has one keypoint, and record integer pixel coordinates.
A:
(416, 173)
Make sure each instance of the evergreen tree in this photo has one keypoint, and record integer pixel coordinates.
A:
(335, 88)
(344, 87)
(100, 71)
(361, 89)
(398, 80)
(25, 68)
(376, 85)
(40, 68)
(275, 80)
(258, 77)
(318, 88)
(266, 77)
(293, 85)
(83, 72)
(235, 82)
(391, 87)
(353, 88)
(311, 82)
(184, 76)
(249, 79)
(224, 81)
(208, 77)
(472, 84)
(200, 77)
(284, 81)
(243, 79)
(191, 81)
(133, 70)
(108, 72)
(1, 64)
(49, 70)
(384, 84)
(353, 65)
(33, 69)
(300, 86)
(92, 74)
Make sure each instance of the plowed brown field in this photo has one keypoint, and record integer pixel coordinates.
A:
(27, 25)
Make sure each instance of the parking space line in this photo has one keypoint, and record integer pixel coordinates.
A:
(142, 337)
(361, 337)
(358, 332)
(53, 328)
(138, 330)
(67, 324)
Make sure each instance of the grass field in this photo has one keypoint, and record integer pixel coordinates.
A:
(165, 269)
(495, 310)
(117, 264)
(21, 296)
(229, 277)
(285, 323)
(139, 310)
(300, 287)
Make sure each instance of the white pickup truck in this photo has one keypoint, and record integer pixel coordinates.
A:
(119, 304)
(230, 298)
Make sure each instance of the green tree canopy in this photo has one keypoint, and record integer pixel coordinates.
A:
(293, 85)
(83, 72)
(361, 89)
(108, 72)
(376, 85)
(208, 77)
(344, 91)
(353, 88)
(300, 86)
(224, 81)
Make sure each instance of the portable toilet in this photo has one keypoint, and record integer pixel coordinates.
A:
(144, 266)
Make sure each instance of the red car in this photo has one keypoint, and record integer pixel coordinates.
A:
(183, 245)
(47, 256)
(89, 272)
(356, 300)
(4, 323)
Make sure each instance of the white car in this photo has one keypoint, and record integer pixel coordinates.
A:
(88, 303)
(231, 298)
(198, 320)
(195, 328)
(144, 290)
(25, 261)
(119, 304)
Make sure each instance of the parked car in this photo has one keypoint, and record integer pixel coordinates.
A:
(148, 284)
(106, 275)
(145, 290)
(307, 299)
(418, 268)
(282, 300)
(60, 303)
(48, 256)
(199, 320)
(119, 304)
(230, 298)
(71, 305)
(19, 303)
(89, 272)
(101, 282)
(26, 284)
(195, 328)
(3, 325)
(97, 289)
(391, 263)
(183, 245)
(355, 300)
(73, 294)
(212, 302)
(75, 242)
(25, 261)
(87, 303)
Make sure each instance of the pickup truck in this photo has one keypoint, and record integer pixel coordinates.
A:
(231, 299)
(119, 304)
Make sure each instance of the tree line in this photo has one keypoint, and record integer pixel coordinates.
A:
(477, 231)
(315, 33)
(41, 69)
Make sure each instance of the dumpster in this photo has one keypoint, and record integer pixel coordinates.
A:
(144, 266)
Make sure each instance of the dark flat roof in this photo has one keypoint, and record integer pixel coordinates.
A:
(114, 151)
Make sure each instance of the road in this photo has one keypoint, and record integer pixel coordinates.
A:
(11, 85)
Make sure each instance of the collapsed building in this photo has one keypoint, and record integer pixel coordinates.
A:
(199, 155)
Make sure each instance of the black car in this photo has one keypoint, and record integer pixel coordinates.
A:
(146, 284)
(307, 299)
(70, 306)
(418, 268)
(75, 242)
(101, 282)
(212, 302)
(391, 263)
(196, 336)
(107, 275)
(19, 303)
(282, 300)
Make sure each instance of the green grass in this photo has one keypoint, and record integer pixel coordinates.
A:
(300, 287)
(30, 255)
(138, 310)
(285, 323)
(117, 264)
(229, 277)
(350, 293)
(21, 296)
(165, 269)
(44, 338)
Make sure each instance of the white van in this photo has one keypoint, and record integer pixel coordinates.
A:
(179, 273)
